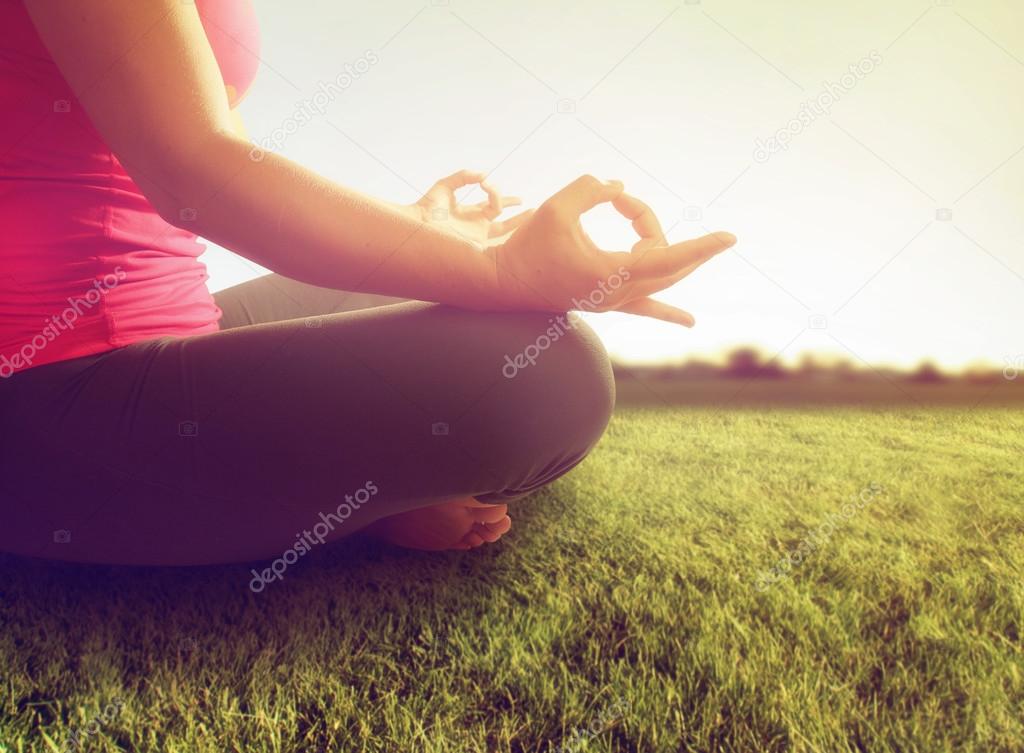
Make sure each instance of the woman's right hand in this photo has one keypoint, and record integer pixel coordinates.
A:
(550, 264)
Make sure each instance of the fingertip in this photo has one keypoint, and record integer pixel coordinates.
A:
(685, 318)
(727, 238)
(613, 190)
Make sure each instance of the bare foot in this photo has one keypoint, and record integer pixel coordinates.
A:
(462, 524)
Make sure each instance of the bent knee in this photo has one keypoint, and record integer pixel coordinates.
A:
(558, 375)
(578, 374)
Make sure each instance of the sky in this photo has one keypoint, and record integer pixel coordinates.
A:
(878, 207)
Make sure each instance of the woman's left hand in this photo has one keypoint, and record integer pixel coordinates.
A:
(475, 222)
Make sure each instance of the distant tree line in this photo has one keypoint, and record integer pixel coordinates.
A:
(749, 363)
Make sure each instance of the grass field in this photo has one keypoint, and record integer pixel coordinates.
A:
(633, 607)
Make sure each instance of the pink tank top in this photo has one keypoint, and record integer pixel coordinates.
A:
(86, 263)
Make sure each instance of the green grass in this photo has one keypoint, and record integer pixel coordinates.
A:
(624, 601)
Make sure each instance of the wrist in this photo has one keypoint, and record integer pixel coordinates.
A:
(507, 289)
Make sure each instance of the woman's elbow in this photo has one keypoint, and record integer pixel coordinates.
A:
(176, 180)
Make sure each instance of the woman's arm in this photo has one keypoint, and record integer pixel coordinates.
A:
(146, 76)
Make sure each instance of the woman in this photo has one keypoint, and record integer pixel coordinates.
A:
(146, 421)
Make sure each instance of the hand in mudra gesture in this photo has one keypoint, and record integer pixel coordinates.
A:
(550, 264)
(474, 222)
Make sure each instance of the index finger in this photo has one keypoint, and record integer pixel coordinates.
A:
(645, 222)
(496, 203)
(585, 193)
(462, 178)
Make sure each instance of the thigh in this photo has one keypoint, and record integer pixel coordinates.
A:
(274, 298)
(233, 445)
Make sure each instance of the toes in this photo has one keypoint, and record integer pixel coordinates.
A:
(488, 513)
(486, 534)
(473, 539)
(491, 532)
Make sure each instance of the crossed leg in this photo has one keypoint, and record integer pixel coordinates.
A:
(234, 445)
(463, 523)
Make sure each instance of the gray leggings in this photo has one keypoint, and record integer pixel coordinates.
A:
(311, 407)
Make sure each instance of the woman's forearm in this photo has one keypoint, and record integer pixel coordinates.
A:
(299, 224)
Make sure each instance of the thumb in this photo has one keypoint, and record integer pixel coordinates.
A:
(585, 193)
